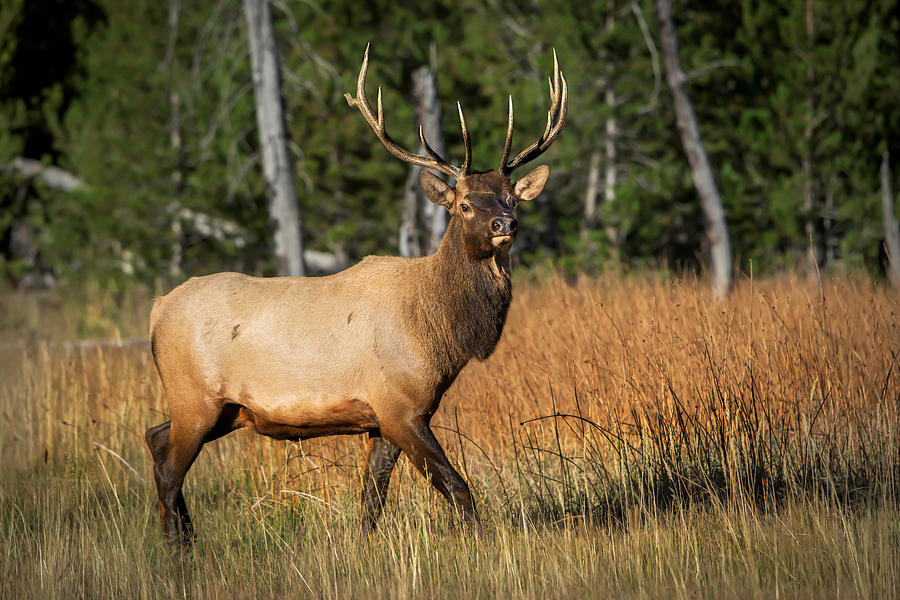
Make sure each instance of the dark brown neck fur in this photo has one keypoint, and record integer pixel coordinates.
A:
(464, 306)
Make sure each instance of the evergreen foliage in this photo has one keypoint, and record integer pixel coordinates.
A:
(155, 115)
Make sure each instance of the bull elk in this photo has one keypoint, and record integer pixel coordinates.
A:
(368, 350)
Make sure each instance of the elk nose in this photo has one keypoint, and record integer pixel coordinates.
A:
(504, 225)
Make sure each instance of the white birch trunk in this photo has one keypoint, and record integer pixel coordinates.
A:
(590, 196)
(409, 228)
(423, 223)
(609, 179)
(612, 131)
(891, 229)
(701, 172)
(273, 139)
(810, 263)
(175, 138)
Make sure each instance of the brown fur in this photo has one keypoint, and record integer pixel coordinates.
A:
(371, 349)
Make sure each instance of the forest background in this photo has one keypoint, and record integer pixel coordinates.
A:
(147, 109)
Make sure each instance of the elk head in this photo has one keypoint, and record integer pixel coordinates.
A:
(484, 202)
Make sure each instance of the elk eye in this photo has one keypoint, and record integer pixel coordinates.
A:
(465, 207)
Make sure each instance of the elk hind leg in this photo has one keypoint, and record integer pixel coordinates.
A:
(174, 448)
(381, 457)
(157, 440)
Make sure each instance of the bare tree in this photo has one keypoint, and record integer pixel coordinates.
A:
(277, 163)
(610, 149)
(417, 210)
(810, 262)
(409, 227)
(176, 139)
(590, 198)
(612, 131)
(701, 172)
(891, 230)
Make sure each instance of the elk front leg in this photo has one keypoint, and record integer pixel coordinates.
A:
(427, 456)
(381, 457)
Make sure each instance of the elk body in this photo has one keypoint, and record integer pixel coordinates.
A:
(370, 350)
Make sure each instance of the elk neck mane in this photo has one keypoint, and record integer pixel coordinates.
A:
(464, 302)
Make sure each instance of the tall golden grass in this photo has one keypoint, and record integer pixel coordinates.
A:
(629, 437)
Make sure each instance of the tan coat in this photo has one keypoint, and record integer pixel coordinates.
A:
(347, 353)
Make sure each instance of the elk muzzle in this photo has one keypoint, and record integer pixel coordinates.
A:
(505, 225)
(503, 229)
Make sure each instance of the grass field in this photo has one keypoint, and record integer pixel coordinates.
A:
(629, 437)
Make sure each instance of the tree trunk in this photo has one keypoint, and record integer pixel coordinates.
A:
(701, 173)
(609, 180)
(278, 166)
(612, 131)
(811, 263)
(409, 227)
(422, 234)
(590, 199)
(175, 135)
(609, 145)
(828, 237)
(891, 229)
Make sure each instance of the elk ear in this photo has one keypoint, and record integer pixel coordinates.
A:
(437, 190)
(532, 184)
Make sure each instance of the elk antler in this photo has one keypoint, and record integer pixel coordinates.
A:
(377, 124)
(556, 119)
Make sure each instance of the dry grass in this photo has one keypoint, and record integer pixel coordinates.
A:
(628, 437)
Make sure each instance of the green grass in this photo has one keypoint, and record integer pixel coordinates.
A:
(85, 535)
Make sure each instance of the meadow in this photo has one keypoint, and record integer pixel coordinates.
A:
(630, 437)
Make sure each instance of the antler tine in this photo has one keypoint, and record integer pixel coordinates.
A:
(465, 135)
(554, 94)
(380, 112)
(509, 133)
(376, 122)
(559, 105)
(556, 71)
(431, 152)
(553, 84)
(556, 120)
(554, 102)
